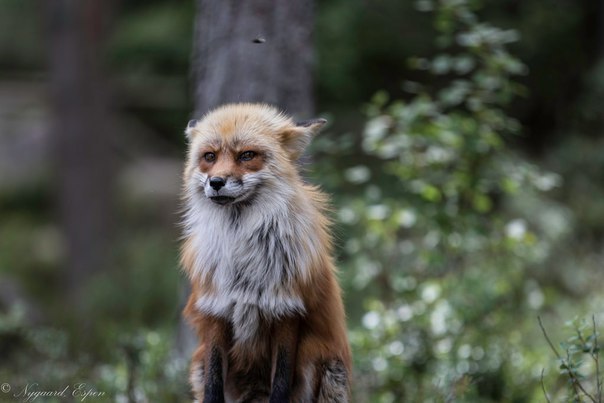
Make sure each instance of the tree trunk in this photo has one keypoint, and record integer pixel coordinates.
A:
(251, 51)
(81, 136)
(254, 51)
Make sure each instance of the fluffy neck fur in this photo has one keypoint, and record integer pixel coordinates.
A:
(254, 256)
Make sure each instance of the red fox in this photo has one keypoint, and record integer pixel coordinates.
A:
(265, 301)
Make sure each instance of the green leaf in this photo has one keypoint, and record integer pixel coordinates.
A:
(431, 193)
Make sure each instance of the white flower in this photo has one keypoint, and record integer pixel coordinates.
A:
(516, 229)
(407, 218)
(430, 293)
(371, 320)
(358, 174)
(378, 212)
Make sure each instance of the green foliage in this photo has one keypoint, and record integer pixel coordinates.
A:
(580, 361)
(148, 369)
(142, 366)
(141, 290)
(363, 45)
(123, 346)
(33, 353)
(150, 51)
(443, 266)
(155, 39)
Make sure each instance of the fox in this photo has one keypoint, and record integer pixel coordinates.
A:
(265, 301)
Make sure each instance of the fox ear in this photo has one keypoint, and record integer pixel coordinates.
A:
(296, 139)
(189, 130)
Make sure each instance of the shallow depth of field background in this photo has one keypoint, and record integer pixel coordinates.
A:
(464, 157)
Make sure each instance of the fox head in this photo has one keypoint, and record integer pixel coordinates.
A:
(240, 150)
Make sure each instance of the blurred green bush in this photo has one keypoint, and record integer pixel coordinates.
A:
(439, 246)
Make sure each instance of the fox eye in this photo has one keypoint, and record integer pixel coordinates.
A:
(247, 156)
(209, 157)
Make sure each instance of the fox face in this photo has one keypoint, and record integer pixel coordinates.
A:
(230, 174)
(237, 150)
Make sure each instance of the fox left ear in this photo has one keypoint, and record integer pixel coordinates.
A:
(296, 139)
(192, 123)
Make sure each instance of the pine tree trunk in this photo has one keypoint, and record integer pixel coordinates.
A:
(254, 51)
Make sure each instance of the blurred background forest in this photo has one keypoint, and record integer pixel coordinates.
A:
(464, 157)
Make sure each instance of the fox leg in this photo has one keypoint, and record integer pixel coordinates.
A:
(333, 382)
(284, 351)
(207, 375)
(208, 366)
(214, 384)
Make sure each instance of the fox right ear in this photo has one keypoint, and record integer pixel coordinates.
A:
(299, 136)
(314, 124)
(190, 126)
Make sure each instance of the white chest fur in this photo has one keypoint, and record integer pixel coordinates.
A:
(253, 256)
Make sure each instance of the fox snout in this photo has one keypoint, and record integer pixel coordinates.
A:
(223, 189)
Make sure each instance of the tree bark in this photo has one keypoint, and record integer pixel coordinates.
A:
(254, 51)
(81, 133)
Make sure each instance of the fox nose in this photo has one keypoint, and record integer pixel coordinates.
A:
(217, 182)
